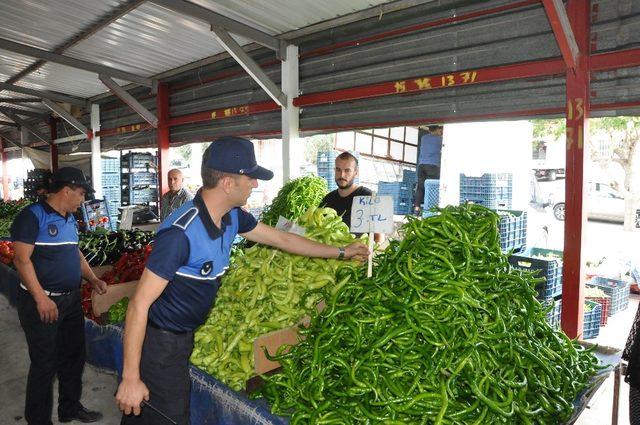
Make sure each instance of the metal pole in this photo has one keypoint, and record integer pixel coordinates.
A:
(290, 113)
(96, 159)
(162, 137)
(53, 127)
(5, 171)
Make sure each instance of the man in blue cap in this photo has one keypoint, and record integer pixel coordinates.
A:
(182, 276)
(51, 268)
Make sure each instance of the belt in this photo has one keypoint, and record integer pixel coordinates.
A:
(50, 293)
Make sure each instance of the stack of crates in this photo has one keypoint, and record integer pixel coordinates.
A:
(591, 327)
(513, 230)
(546, 263)
(555, 313)
(410, 179)
(401, 194)
(326, 168)
(617, 290)
(431, 196)
(111, 186)
(493, 190)
(139, 180)
(326, 163)
(35, 178)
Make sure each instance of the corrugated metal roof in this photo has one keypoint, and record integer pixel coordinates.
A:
(146, 41)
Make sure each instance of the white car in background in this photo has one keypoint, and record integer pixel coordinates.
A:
(604, 203)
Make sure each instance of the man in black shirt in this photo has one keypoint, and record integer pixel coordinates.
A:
(341, 199)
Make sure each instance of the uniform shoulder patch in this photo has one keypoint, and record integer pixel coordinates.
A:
(185, 219)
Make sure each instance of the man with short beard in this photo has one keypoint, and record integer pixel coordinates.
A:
(341, 199)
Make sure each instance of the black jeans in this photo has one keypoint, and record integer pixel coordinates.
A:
(164, 368)
(425, 171)
(54, 349)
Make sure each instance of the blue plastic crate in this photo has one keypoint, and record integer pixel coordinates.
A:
(138, 160)
(327, 157)
(111, 165)
(139, 179)
(513, 230)
(110, 179)
(592, 318)
(409, 175)
(431, 194)
(111, 194)
(555, 314)
(493, 190)
(617, 290)
(138, 196)
(550, 268)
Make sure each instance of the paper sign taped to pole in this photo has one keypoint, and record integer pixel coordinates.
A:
(372, 214)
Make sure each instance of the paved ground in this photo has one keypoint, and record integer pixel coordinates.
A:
(14, 365)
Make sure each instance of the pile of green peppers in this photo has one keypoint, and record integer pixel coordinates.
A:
(294, 199)
(265, 290)
(445, 332)
(118, 311)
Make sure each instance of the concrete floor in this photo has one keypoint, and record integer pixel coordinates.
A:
(99, 386)
(14, 366)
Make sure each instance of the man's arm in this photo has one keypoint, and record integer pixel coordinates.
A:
(132, 390)
(295, 244)
(46, 307)
(98, 285)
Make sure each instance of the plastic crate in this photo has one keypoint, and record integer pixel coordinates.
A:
(555, 314)
(95, 214)
(110, 179)
(327, 157)
(409, 176)
(549, 268)
(139, 196)
(111, 165)
(493, 190)
(139, 179)
(431, 194)
(592, 318)
(617, 290)
(513, 230)
(139, 160)
(605, 303)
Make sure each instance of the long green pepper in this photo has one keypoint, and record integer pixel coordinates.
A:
(445, 332)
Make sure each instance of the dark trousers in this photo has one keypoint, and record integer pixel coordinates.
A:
(425, 171)
(54, 349)
(164, 368)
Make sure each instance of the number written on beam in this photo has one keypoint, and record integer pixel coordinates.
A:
(229, 112)
(436, 82)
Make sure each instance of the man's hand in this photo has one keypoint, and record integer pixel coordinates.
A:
(356, 251)
(130, 394)
(100, 286)
(47, 309)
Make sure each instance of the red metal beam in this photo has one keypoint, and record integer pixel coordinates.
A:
(53, 128)
(222, 113)
(577, 115)
(5, 171)
(162, 137)
(535, 69)
(562, 30)
(615, 60)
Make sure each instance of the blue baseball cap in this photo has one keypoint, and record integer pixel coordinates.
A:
(235, 155)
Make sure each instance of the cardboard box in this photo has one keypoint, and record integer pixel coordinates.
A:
(273, 340)
(115, 293)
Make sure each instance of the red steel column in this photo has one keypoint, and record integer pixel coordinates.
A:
(53, 128)
(575, 205)
(162, 136)
(5, 171)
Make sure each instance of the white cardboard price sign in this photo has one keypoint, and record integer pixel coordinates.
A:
(372, 214)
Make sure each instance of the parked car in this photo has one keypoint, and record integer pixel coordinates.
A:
(604, 203)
